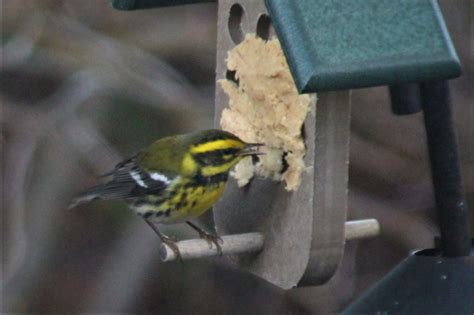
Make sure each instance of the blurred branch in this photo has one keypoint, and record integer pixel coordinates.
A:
(127, 267)
(27, 128)
(118, 66)
(20, 46)
(16, 161)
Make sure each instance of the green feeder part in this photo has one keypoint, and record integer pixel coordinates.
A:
(334, 45)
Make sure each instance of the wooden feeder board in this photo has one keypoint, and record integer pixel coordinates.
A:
(304, 229)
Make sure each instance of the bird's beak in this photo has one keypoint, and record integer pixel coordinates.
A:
(252, 149)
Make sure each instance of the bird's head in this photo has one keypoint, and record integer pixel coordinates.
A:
(214, 152)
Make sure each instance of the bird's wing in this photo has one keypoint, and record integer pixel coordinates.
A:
(129, 180)
(144, 181)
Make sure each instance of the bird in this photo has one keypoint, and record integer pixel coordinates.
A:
(175, 179)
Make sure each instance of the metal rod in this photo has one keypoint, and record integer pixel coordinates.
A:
(445, 170)
(253, 242)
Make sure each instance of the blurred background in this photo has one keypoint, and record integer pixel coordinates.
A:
(83, 86)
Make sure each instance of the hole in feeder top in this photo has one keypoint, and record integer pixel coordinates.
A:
(265, 28)
(235, 23)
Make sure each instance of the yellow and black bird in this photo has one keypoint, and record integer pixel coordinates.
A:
(175, 179)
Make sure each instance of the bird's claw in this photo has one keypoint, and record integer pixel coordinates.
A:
(212, 239)
(171, 243)
(173, 239)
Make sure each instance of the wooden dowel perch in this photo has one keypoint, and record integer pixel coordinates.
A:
(359, 229)
(253, 242)
(199, 248)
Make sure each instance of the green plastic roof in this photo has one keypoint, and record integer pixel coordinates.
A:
(344, 44)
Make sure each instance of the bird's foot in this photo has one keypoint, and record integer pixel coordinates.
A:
(171, 243)
(172, 239)
(212, 239)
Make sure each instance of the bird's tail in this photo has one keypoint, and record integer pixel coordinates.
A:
(92, 194)
(108, 191)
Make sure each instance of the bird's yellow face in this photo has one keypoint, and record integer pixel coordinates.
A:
(217, 155)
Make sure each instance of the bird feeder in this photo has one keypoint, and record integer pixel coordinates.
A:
(297, 238)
